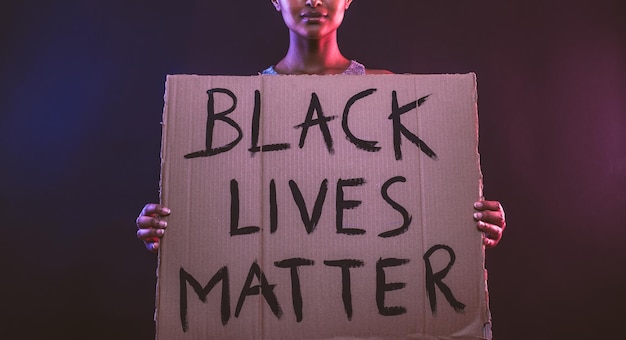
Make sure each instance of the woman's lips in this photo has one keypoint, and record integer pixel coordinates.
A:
(313, 16)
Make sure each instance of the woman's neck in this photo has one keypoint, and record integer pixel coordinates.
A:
(313, 56)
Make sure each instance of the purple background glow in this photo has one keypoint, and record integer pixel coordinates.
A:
(81, 91)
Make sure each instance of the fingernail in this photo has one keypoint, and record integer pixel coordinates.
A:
(478, 215)
(160, 232)
(166, 211)
(478, 205)
(162, 224)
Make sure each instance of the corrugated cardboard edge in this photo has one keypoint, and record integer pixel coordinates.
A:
(486, 311)
(487, 317)
(161, 185)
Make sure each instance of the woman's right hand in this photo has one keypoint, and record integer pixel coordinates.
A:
(150, 225)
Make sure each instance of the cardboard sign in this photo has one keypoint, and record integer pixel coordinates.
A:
(321, 207)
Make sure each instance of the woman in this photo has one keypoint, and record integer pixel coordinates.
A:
(313, 49)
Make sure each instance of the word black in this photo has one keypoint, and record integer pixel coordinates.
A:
(320, 120)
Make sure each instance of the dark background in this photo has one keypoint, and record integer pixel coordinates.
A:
(81, 88)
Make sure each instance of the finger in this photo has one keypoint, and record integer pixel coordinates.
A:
(152, 246)
(150, 234)
(489, 243)
(488, 205)
(491, 231)
(492, 217)
(145, 222)
(153, 209)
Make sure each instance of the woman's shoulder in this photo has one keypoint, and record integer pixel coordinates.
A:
(269, 71)
(362, 70)
(357, 68)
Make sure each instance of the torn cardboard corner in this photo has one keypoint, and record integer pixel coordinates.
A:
(321, 207)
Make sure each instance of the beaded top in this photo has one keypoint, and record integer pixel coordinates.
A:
(355, 68)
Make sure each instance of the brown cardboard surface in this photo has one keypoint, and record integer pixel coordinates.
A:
(335, 277)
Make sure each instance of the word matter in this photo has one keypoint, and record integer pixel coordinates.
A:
(265, 289)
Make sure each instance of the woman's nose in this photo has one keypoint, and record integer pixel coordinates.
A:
(313, 3)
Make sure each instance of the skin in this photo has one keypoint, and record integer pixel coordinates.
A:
(313, 49)
(489, 217)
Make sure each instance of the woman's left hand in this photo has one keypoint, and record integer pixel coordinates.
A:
(490, 220)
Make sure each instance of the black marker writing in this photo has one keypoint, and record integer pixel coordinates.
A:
(382, 286)
(342, 205)
(361, 144)
(433, 279)
(210, 125)
(256, 122)
(264, 288)
(405, 214)
(321, 120)
(309, 222)
(346, 286)
(296, 293)
(202, 292)
(400, 130)
(234, 213)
